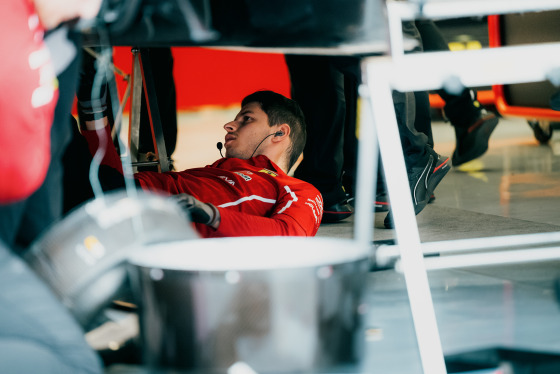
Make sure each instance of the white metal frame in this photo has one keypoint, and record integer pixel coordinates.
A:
(427, 71)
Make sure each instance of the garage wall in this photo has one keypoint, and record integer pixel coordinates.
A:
(206, 77)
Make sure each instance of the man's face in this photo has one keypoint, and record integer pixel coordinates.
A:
(246, 131)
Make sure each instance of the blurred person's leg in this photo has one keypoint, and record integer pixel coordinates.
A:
(318, 87)
(164, 82)
(326, 89)
(423, 120)
(350, 135)
(473, 124)
(77, 162)
(425, 168)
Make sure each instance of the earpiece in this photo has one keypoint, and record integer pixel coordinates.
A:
(275, 134)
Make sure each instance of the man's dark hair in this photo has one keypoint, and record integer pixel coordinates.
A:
(279, 110)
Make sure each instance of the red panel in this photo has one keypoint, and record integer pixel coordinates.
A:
(216, 77)
(502, 105)
(485, 97)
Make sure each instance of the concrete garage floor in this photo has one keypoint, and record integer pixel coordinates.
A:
(514, 188)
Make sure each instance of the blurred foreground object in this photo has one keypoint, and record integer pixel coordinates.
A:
(82, 257)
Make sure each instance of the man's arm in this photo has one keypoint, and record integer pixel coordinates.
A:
(242, 224)
(101, 138)
(297, 212)
(110, 173)
(198, 211)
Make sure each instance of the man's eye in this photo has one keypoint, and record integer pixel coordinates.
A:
(246, 119)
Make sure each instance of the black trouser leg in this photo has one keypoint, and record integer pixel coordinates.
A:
(162, 70)
(423, 120)
(413, 142)
(459, 109)
(318, 87)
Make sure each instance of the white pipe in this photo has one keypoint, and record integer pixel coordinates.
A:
(488, 259)
(385, 253)
(442, 9)
(367, 170)
(473, 68)
(422, 308)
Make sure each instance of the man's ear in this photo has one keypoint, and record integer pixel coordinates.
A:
(282, 131)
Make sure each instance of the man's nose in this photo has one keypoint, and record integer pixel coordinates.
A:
(230, 126)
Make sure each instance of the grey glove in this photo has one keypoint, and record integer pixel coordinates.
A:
(198, 211)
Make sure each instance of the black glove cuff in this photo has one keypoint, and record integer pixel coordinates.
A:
(215, 218)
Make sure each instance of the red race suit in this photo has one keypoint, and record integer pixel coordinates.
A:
(27, 101)
(254, 197)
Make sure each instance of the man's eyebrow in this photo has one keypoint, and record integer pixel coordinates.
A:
(246, 111)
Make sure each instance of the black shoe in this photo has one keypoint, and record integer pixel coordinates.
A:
(472, 142)
(337, 212)
(381, 203)
(423, 180)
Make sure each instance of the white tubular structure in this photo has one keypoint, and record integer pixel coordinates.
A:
(399, 11)
(378, 73)
(490, 258)
(385, 254)
(505, 65)
(367, 175)
(429, 71)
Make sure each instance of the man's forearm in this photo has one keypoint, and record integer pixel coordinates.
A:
(242, 224)
(111, 157)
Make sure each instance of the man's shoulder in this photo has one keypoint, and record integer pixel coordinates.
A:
(300, 185)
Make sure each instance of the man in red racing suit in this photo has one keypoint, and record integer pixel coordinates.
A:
(247, 193)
